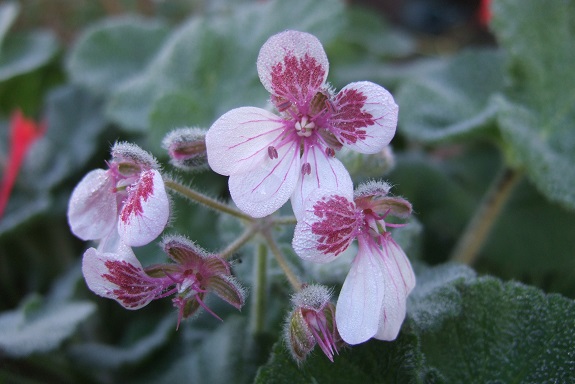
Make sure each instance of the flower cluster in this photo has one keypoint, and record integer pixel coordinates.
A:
(127, 206)
(271, 158)
(372, 300)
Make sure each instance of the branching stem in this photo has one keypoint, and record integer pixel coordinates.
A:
(292, 278)
(206, 200)
(239, 242)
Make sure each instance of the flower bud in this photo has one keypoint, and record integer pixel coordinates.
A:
(312, 322)
(130, 160)
(368, 166)
(373, 195)
(187, 148)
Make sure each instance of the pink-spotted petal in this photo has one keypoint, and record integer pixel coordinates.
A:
(330, 223)
(366, 117)
(359, 303)
(399, 280)
(293, 66)
(92, 209)
(145, 212)
(263, 190)
(119, 276)
(326, 173)
(240, 139)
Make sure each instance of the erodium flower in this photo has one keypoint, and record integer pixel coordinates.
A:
(270, 157)
(128, 200)
(373, 297)
(120, 276)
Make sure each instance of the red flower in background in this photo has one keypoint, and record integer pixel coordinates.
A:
(484, 13)
(23, 132)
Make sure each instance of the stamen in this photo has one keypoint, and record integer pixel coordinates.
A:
(330, 152)
(272, 152)
(330, 106)
(283, 106)
(306, 169)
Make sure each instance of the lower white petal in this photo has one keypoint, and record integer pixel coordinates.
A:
(359, 304)
(263, 190)
(399, 281)
(92, 209)
(327, 173)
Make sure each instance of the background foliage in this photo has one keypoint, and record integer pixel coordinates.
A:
(473, 100)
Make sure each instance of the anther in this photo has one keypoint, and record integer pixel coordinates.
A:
(330, 152)
(330, 106)
(306, 169)
(284, 105)
(272, 152)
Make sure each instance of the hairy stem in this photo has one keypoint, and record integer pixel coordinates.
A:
(477, 230)
(260, 286)
(284, 220)
(292, 278)
(239, 242)
(205, 200)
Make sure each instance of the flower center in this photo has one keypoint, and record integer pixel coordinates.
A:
(304, 127)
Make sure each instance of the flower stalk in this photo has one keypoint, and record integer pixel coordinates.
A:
(206, 200)
(477, 231)
(280, 258)
(258, 308)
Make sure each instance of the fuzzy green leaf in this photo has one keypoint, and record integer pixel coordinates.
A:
(24, 53)
(505, 332)
(8, 13)
(213, 59)
(114, 50)
(453, 100)
(537, 117)
(371, 362)
(38, 328)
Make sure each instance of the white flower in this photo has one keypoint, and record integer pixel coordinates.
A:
(270, 157)
(129, 198)
(373, 297)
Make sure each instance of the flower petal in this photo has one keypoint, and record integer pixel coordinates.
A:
(263, 190)
(359, 304)
(399, 280)
(366, 117)
(329, 224)
(92, 209)
(145, 212)
(293, 66)
(119, 276)
(239, 140)
(327, 173)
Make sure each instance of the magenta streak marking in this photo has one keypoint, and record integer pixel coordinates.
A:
(274, 168)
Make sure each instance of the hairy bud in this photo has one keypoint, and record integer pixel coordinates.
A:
(187, 148)
(311, 322)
